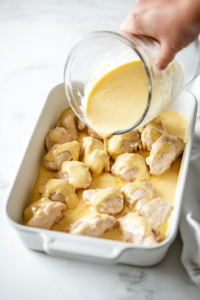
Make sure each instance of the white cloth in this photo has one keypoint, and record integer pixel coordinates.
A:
(190, 214)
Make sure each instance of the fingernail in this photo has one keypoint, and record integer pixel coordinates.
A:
(160, 67)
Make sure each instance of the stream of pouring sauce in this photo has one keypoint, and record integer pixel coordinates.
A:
(118, 99)
(165, 184)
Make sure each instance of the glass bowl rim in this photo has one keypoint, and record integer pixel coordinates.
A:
(117, 35)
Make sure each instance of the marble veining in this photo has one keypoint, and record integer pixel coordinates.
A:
(137, 284)
(36, 37)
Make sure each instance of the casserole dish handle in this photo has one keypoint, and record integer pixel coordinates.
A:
(83, 247)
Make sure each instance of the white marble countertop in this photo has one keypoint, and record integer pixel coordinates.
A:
(36, 37)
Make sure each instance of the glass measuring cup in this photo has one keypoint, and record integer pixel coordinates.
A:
(102, 51)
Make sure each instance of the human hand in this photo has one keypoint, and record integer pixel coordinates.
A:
(173, 23)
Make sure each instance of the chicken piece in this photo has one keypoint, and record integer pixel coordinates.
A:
(53, 196)
(58, 135)
(130, 167)
(124, 143)
(60, 153)
(157, 211)
(77, 173)
(94, 224)
(138, 194)
(68, 122)
(43, 213)
(94, 155)
(151, 132)
(136, 229)
(40, 190)
(163, 153)
(93, 134)
(107, 201)
(61, 191)
(81, 125)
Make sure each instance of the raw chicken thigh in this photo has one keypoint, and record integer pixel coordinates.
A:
(68, 122)
(94, 224)
(136, 229)
(157, 211)
(108, 201)
(60, 153)
(151, 132)
(43, 213)
(163, 153)
(130, 167)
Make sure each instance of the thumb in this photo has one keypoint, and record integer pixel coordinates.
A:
(165, 56)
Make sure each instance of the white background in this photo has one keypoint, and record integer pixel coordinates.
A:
(35, 38)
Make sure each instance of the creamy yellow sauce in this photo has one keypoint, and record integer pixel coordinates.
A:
(161, 149)
(72, 147)
(141, 222)
(114, 145)
(165, 184)
(95, 156)
(118, 99)
(54, 136)
(63, 187)
(77, 171)
(129, 161)
(132, 187)
(154, 131)
(175, 123)
(100, 197)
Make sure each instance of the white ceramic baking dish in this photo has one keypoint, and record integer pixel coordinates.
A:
(81, 247)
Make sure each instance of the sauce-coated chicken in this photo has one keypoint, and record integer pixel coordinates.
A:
(60, 153)
(124, 143)
(60, 190)
(94, 224)
(43, 213)
(58, 135)
(68, 122)
(108, 201)
(163, 153)
(130, 167)
(138, 194)
(94, 155)
(81, 125)
(157, 211)
(76, 172)
(136, 229)
(151, 132)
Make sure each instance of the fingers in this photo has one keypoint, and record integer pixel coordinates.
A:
(130, 24)
(142, 20)
(165, 56)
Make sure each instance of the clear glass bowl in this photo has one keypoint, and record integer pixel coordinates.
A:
(99, 52)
